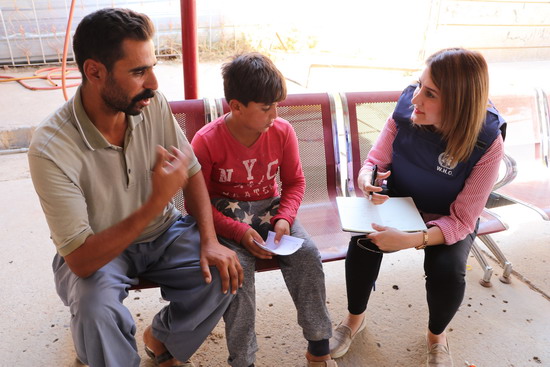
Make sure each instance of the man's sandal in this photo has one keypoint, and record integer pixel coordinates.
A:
(166, 356)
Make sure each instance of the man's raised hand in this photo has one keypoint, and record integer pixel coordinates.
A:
(169, 174)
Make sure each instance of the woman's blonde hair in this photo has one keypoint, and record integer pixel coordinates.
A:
(462, 78)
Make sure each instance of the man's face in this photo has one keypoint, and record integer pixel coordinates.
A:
(131, 82)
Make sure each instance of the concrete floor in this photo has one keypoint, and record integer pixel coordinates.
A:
(505, 325)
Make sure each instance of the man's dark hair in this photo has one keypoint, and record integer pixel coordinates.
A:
(99, 35)
(253, 77)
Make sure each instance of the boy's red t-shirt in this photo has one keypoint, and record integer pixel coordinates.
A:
(234, 171)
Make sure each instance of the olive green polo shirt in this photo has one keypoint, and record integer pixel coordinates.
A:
(86, 185)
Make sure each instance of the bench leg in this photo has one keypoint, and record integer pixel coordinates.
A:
(506, 265)
(487, 269)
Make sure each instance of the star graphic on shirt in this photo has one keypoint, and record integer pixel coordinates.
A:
(233, 206)
(266, 218)
(247, 218)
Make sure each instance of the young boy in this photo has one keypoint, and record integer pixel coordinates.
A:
(240, 154)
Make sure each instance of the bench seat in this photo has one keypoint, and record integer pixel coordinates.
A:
(313, 118)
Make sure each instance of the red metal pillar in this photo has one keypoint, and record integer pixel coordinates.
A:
(189, 48)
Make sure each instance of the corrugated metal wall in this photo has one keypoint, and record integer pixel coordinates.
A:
(33, 31)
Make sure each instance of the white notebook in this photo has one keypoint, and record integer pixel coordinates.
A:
(357, 214)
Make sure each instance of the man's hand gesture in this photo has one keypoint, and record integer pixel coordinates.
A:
(169, 174)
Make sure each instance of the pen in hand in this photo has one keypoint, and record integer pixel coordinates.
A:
(373, 178)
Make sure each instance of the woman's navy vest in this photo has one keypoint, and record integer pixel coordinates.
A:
(419, 166)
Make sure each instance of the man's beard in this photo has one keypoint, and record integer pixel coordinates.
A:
(115, 98)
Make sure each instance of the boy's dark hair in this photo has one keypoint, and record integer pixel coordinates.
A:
(252, 77)
(99, 35)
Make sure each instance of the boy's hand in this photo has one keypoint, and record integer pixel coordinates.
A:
(248, 243)
(281, 227)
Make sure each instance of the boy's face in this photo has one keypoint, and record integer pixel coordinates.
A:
(257, 117)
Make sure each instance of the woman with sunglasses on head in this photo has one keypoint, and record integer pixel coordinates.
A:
(442, 146)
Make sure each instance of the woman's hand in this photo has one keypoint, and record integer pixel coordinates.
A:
(389, 239)
(248, 243)
(364, 182)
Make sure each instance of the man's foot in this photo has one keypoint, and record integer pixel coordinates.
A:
(158, 352)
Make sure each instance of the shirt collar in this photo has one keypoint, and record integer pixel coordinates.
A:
(91, 136)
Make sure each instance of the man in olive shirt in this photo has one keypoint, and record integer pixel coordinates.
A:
(106, 166)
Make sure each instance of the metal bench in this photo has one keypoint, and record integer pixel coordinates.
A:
(313, 118)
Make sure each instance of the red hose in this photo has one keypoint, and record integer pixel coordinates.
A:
(65, 51)
(50, 76)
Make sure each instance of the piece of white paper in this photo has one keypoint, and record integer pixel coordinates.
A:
(286, 246)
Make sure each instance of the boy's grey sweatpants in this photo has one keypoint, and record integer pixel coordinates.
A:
(103, 329)
(305, 280)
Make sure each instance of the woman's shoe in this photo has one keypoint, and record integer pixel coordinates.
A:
(342, 338)
(328, 363)
(439, 356)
